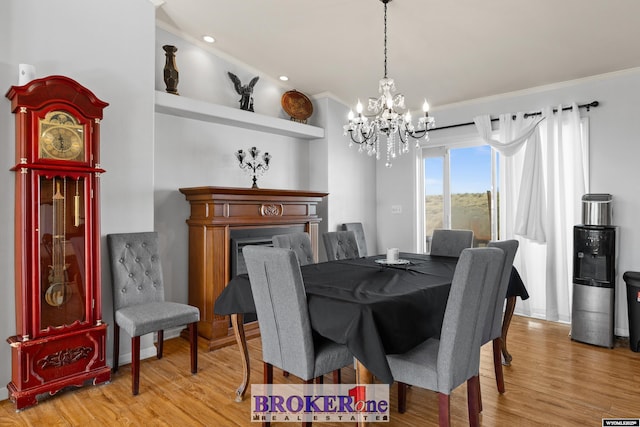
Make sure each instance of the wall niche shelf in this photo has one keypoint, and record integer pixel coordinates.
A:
(180, 106)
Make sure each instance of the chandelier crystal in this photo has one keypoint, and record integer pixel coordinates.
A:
(387, 117)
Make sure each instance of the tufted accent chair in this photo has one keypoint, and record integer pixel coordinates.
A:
(300, 243)
(340, 245)
(138, 299)
(358, 230)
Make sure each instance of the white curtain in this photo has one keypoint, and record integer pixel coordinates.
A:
(541, 189)
(529, 216)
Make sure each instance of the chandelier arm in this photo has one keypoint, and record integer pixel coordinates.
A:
(365, 136)
(355, 140)
(417, 134)
(402, 134)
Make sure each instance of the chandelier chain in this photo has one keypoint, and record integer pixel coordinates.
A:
(385, 40)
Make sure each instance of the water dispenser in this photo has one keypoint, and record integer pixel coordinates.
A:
(594, 275)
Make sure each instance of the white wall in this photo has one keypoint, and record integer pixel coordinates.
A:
(349, 177)
(397, 184)
(614, 153)
(107, 47)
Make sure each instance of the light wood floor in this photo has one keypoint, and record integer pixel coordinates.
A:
(552, 381)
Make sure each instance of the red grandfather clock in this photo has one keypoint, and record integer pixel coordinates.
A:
(60, 339)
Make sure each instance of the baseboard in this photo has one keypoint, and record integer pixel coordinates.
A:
(172, 333)
(145, 353)
(150, 351)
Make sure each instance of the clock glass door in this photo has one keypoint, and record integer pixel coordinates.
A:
(62, 242)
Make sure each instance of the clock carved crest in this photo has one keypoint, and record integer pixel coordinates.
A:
(57, 262)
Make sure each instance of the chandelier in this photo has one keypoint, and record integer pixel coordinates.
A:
(387, 116)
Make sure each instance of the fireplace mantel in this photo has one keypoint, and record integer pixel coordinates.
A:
(215, 212)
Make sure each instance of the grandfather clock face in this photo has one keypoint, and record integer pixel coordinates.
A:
(61, 137)
(62, 234)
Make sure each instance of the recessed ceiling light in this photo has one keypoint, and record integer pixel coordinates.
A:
(208, 39)
(284, 78)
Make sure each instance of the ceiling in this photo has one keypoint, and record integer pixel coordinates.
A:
(446, 51)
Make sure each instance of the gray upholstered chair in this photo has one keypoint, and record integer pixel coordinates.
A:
(443, 364)
(340, 245)
(358, 230)
(138, 299)
(299, 243)
(493, 323)
(285, 328)
(450, 242)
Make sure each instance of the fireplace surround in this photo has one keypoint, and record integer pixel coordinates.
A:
(221, 221)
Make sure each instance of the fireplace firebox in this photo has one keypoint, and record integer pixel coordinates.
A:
(253, 236)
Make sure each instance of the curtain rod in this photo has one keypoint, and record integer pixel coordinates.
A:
(527, 115)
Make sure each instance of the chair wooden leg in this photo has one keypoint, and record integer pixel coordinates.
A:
(402, 397)
(317, 380)
(479, 394)
(135, 365)
(497, 364)
(308, 423)
(473, 387)
(116, 347)
(337, 376)
(267, 371)
(193, 341)
(160, 344)
(444, 410)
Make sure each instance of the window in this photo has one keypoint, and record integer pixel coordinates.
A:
(459, 183)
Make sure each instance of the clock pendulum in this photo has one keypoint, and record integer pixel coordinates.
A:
(59, 291)
(76, 207)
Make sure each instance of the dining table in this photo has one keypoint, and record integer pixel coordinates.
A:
(372, 306)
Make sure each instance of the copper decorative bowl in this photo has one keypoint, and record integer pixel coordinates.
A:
(297, 105)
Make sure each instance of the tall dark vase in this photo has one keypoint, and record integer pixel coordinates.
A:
(170, 69)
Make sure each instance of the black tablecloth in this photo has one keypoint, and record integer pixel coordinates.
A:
(375, 310)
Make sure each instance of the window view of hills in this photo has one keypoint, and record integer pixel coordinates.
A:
(469, 211)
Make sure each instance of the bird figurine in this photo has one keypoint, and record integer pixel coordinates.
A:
(245, 92)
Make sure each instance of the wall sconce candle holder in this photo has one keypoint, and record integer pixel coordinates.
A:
(253, 165)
